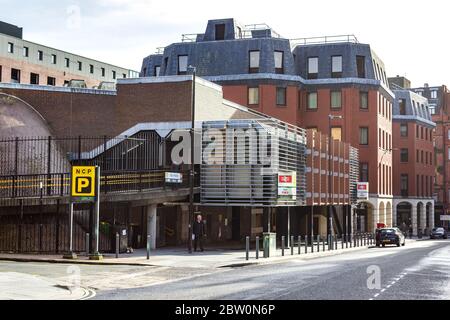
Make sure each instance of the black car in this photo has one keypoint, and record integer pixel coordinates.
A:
(438, 233)
(392, 236)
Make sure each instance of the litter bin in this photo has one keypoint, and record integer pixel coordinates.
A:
(269, 244)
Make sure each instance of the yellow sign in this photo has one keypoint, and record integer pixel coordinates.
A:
(83, 182)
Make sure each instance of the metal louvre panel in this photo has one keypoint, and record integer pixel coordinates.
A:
(354, 174)
(242, 158)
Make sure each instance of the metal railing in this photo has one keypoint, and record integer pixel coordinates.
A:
(349, 38)
(58, 184)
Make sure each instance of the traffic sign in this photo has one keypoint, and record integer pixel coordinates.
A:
(83, 182)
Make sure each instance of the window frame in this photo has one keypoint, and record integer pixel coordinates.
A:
(311, 75)
(337, 74)
(284, 103)
(281, 69)
(331, 99)
(360, 136)
(308, 105)
(361, 94)
(248, 96)
(179, 65)
(250, 68)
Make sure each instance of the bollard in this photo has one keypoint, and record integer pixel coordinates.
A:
(117, 245)
(312, 244)
(328, 242)
(342, 242)
(323, 244)
(335, 242)
(292, 245)
(257, 248)
(346, 241)
(306, 244)
(318, 243)
(247, 248)
(87, 244)
(283, 239)
(148, 246)
(365, 239)
(361, 238)
(299, 244)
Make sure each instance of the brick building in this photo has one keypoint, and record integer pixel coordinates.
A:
(439, 106)
(414, 163)
(302, 82)
(155, 107)
(25, 62)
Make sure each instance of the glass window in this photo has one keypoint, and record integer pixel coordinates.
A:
(404, 185)
(91, 68)
(336, 100)
(25, 51)
(402, 106)
(313, 67)
(34, 78)
(361, 66)
(434, 94)
(364, 172)
(364, 136)
(364, 100)
(40, 55)
(182, 64)
(253, 96)
(114, 75)
(336, 66)
(51, 81)
(281, 96)
(67, 62)
(53, 58)
(15, 75)
(80, 65)
(220, 31)
(10, 47)
(403, 130)
(254, 61)
(404, 155)
(312, 100)
(336, 133)
(157, 71)
(279, 63)
(103, 72)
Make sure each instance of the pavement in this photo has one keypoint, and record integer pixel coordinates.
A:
(179, 257)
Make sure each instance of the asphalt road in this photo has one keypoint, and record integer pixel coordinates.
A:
(419, 271)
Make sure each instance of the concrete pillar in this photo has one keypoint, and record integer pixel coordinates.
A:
(423, 218)
(414, 219)
(432, 217)
(151, 224)
(394, 215)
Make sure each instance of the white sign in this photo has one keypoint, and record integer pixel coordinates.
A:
(445, 218)
(172, 177)
(287, 192)
(363, 191)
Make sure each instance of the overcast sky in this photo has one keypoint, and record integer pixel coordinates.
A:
(412, 37)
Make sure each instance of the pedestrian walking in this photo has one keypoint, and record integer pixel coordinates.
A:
(199, 233)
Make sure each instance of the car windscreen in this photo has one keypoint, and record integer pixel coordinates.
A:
(439, 229)
(388, 231)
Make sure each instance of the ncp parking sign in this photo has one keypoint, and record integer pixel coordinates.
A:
(83, 181)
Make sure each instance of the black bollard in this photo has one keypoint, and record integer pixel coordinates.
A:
(283, 238)
(299, 244)
(257, 248)
(306, 244)
(247, 248)
(292, 245)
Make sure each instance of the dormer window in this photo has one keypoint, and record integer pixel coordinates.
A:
(182, 65)
(279, 62)
(361, 66)
(220, 32)
(254, 61)
(402, 106)
(336, 67)
(157, 71)
(313, 67)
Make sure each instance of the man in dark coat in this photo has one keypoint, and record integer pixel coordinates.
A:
(198, 232)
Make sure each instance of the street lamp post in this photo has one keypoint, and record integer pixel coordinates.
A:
(330, 172)
(192, 164)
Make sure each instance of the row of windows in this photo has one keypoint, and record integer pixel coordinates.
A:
(54, 60)
(253, 96)
(421, 132)
(423, 157)
(384, 177)
(384, 140)
(384, 107)
(336, 67)
(16, 75)
(424, 185)
(336, 100)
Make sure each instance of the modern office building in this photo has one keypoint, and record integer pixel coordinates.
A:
(25, 62)
(334, 85)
